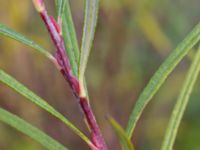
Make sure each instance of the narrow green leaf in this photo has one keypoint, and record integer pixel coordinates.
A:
(71, 45)
(60, 6)
(181, 104)
(90, 21)
(33, 132)
(160, 76)
(69, 34)
(21, 38)
(21, 89)
(124, 140)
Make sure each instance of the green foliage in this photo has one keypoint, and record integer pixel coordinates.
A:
(124, 140)
(181, 103)
(160, 76)
(29, 130)
(21, 38)
(21, 89)
(90, 21)
(69, 33)
(60, 5)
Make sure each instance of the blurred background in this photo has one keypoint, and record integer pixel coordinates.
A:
(133, 38)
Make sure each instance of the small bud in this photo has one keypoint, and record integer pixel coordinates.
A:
(56, 25)
(60, 24)
(39, 5)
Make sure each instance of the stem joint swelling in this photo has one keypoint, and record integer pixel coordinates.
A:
(64, 66)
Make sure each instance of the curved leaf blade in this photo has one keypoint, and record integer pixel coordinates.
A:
(69, 33)
(160, 76)
(124, 140)
(4, 30)
(22, 90)
(181, 104)
(90, 21)
(33, 132)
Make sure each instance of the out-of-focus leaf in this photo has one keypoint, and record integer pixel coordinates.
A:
(153, 32)
(181, 104)
(21, 89)
(21, 38)
(160, 76)
(124, 140)
(90, 21)
(69, 34)
(33, 132)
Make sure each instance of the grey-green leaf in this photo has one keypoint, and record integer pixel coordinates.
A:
(181, 104)
(160, 76)
(21, 38)
(90, 21)
(21, 89)
(33, 132)
(124, 140)
(69, 34)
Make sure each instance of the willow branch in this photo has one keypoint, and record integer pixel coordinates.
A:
(64, 66)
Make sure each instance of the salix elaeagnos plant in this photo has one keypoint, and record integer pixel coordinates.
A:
(72, 62)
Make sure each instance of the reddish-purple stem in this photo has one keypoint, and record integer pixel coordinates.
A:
(97, 138)
(65, 68)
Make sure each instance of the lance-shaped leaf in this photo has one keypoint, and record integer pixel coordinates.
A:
(69, 33)
(90, 21)
(160, 76)
(124, 140)
(60, 6)
(21, 38)
(33, 132)
(181, 104)
(21, 89)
